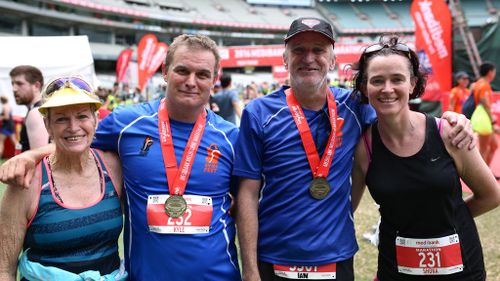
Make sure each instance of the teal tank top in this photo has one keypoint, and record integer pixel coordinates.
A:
(74, 239)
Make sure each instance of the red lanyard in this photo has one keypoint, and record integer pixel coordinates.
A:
(319, 168)
(177, 179)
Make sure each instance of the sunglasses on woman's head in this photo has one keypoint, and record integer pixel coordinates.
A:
(396, 47)
(66, 82)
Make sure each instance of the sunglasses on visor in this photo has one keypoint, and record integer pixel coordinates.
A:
(396, 47)
(67, 82)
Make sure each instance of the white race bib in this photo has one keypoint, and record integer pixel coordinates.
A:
(435, 256)
(327, 271)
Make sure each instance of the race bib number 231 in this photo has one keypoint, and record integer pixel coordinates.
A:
(436, 256)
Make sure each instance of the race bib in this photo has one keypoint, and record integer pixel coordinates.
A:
(327, 271)
(436, 256)
(196, 219)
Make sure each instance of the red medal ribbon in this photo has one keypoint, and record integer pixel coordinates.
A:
(319, 168)
(177, 179)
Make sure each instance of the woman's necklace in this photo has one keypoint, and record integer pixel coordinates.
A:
(56, 191)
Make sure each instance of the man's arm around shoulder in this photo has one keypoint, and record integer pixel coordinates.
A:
(20, 169)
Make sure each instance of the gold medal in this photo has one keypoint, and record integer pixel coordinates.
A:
(319, 188)
(175, 206)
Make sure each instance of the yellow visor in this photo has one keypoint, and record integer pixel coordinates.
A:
(68, 96)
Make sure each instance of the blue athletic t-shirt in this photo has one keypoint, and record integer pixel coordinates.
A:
(132, 131)
(295, 228)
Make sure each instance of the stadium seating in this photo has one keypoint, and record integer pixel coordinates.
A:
(345, 16)
(374, 17)
(377, 15)
(114, 24)
(402, 11)
(477, 13)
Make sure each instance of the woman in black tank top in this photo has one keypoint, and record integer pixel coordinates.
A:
(427, 230)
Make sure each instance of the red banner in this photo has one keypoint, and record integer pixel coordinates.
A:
(280, 74)
(252, 56)
(433, 44)
(272, 55)
(122, 63)
(145, 53)
(347, 54)
(157, 59)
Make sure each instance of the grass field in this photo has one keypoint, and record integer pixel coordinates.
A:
(365, 261)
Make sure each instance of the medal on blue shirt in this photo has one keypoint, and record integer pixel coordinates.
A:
(319, 187)
(175, 205)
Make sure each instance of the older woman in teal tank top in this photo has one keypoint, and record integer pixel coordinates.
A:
(67, 223)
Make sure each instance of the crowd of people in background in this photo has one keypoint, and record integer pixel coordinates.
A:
(286, 174)
(227, 101)
(477, 100)
(7, 126)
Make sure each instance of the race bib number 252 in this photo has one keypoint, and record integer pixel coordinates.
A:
(196, 219)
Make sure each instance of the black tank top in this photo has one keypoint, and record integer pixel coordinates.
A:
(24, 140)
(421, 197)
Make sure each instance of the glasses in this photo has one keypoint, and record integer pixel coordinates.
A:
(68, 82)
(396, 47)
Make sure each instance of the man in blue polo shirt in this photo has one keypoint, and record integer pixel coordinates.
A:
(176, 160)
(294, 158)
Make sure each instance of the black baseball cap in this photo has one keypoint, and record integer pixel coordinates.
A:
(310, 24)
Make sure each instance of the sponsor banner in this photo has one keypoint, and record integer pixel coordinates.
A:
(252, 56)
(122, 64)
(280, 74)
(158, 58)
(145, 52)
(433, 44)
(270, 55)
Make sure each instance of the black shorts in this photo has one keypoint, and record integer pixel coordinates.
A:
(345, 272)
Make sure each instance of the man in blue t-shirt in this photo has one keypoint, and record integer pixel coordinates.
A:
(174, 149)
(227, 101)
(294, 159)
